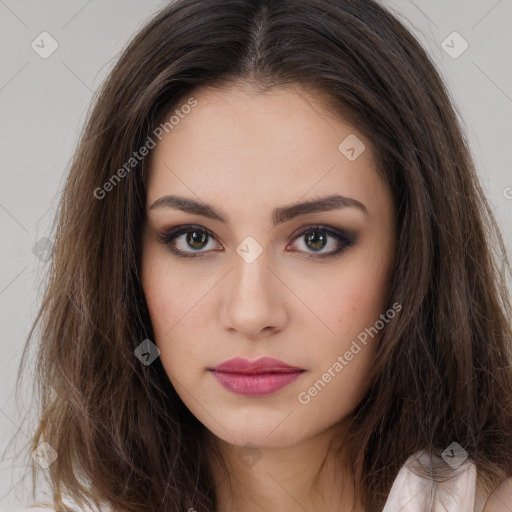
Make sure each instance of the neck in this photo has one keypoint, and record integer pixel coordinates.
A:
(306, 476)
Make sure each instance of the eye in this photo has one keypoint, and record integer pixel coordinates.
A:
(317, 238)
(189, 241)
(181, 238)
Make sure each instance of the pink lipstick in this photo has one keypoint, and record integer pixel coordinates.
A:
(255, 378)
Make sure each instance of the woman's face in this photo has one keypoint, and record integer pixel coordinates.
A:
(266, 275)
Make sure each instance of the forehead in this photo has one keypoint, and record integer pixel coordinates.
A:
(240, 144)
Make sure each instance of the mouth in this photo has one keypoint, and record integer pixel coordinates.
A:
(259, 378)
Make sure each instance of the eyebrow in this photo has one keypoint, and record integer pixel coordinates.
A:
(279, 215)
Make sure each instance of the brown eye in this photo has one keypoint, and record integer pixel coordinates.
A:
(192, 241)
(317, 238)
(187, 241)
(196, 239)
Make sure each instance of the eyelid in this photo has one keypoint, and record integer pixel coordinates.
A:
(347, 236)
(167, 232)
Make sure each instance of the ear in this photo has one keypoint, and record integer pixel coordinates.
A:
(501, 499)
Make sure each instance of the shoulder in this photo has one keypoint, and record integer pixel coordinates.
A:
(501, 499)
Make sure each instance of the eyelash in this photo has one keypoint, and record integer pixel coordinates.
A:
(168, 236)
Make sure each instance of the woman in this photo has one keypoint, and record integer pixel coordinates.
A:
(274, 285)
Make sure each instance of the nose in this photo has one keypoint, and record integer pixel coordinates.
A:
(253, 302)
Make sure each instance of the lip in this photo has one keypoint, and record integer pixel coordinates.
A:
(261, 365)
(255, 378)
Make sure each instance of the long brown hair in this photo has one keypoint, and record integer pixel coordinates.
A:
(443, 370)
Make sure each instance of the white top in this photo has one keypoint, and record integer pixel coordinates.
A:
(411, 493)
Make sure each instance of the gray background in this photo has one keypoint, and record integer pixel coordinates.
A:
(43, 104)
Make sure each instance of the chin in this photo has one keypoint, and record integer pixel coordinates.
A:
(256, 436)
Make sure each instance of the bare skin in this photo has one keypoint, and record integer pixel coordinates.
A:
(246, 154)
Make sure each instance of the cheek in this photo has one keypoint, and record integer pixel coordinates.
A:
(169, 293)
(175, 309)
(353, 297)
(352, 308)
(351, 304)
(160, 287)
